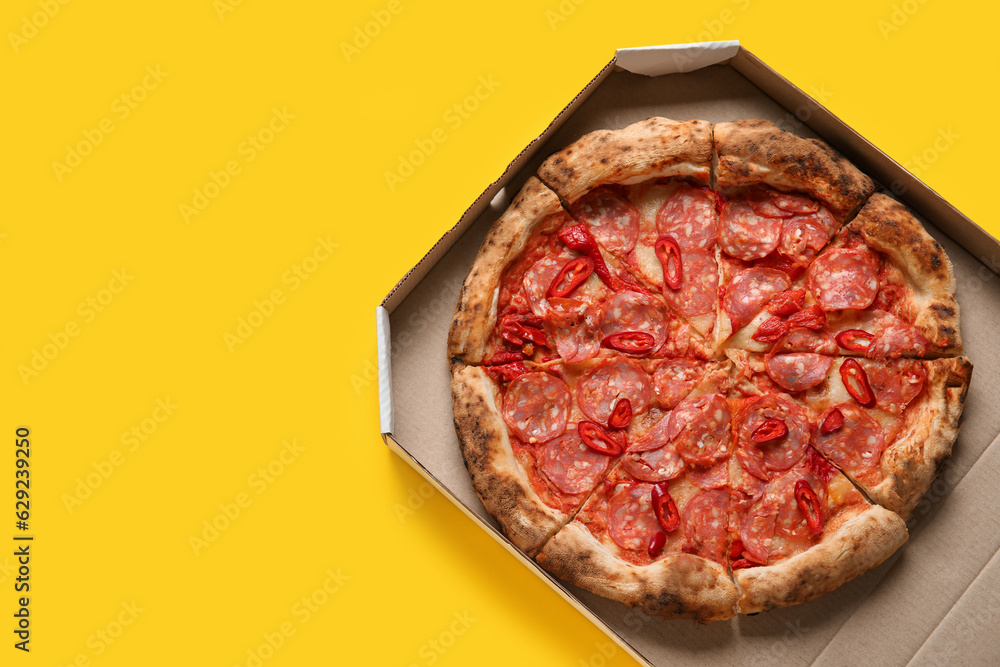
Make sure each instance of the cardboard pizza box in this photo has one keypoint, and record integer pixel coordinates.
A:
(938, 592)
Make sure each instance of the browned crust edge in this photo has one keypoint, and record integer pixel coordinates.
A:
(887, 226)
(475, 314)
(859, 545)
(676, 586)
(651, 148)
(754, 151)
(911, 462)
(499, 479)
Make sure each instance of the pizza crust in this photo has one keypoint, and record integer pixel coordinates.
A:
(753, 152)
(911, 462)
(499, 479)
(655, 147)
(675, 586)
(859, 545)
(476, 312)
(887, 226)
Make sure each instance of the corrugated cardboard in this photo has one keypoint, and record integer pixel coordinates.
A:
(932, 596)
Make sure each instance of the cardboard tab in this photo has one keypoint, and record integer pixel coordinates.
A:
(675, 58)
(384, 369)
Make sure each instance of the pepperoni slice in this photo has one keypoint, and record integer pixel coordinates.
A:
(749, 291)
(635, 311)
(745, 235)
(857, 445)
(752, 460)
(700, 429)
(675, 379)
(763, 203)
(699, 284)
(757, 530)
(894, 341)
(689, 215)
(571, 465)
(631, 520)
(706, 524)
(803, 236)
(790, 520)
(654, 438)
(798, 371)
(612, 220)
(599, 388)
(658, 465)
(895, 384)
(842, 278)
(797, 204)
(801, 339)
(573, 325)
(536, 407)
(537, 279)
(712, 477)
(782, 453)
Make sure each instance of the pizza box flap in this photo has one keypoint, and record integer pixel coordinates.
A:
(851, 622)
(974, 616)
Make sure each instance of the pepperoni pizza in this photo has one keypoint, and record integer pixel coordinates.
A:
(706, 369)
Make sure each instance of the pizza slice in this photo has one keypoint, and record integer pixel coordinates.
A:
(538, 437)
(886, 423)
(643, 194)
(798, 527)
(553, 293)
(657, 545)
(807, 533)
(887, 287)
(785, 198)
(519, 430)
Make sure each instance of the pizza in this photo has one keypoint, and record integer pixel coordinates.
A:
(706, 370)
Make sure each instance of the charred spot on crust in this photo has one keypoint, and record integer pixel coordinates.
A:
(604, 160)
(943, 311)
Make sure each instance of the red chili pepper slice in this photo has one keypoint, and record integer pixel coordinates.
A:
(744, 562)
(735, 549)
(664, 508)
(809, 504)
(812, 317)
(579, 238)
(782, 263)
(503, 358)
(656, 543)
(666, 250)
(595, 437)
(770, 330)
(570, 276)
(833, 421)
(771, 429)
(632, 342)
(514, 332)
(819, 466)
(787, 302)
(506, 371)
(856, 381)
(855, 340)
(621, 415)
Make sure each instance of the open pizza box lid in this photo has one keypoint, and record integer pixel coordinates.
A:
(930, 600)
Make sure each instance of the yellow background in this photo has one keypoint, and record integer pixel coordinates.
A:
(901, 73)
